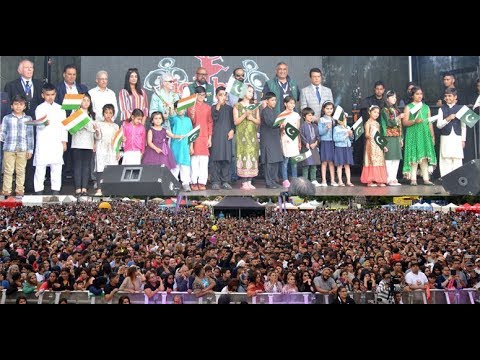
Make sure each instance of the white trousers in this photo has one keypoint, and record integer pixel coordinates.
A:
(447, 165)
(132, 158)
(184, 171)
(423, 168)
(392, 169)
(55, 177)
(199, 165)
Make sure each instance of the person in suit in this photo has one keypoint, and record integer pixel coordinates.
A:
(315, 94)
(31, 89)
(68, 86)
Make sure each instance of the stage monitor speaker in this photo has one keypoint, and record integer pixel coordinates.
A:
(463, 181)
(139, 180)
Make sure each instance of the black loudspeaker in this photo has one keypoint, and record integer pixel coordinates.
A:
(139, 180)
(301, 187)
(463, 181)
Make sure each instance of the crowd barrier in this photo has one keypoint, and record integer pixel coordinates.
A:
(463, 296)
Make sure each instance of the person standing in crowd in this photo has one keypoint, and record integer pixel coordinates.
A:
(419, 139)
(290, 148)
(102, 95)
(270, 145)
(408, 96)
(246, 122)
(200, 80)
(31, 89)
(327, 146)
(201, 115)
(449, 83)
(373, 171)
(17, 138)
(223, 133)
(105, 154)
(282, 86)
(343, 157)
(342, 297)
(391, 125)
(51, 142)
(133, 96)
(163, 98)
(476, 105)
(453, 134)
(310, 138)
(315, 94)
(134, 138)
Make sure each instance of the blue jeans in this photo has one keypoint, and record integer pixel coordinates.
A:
(293, 166)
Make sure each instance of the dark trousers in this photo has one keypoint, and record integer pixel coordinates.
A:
(271, 173)
(82, 159)
(67, 169)
(220, 171)
(99, 177)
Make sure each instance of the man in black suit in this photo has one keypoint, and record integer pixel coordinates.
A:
(69, 86)
(31, 89)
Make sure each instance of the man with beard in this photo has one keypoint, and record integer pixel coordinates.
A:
(200, 80)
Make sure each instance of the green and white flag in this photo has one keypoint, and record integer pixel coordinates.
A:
(236, 88)
(72, 101)
(433, 118)
(281, 118)
(380, 140)
(301, 157)
(193, 134)
(469, 117)
(339, 113)
(77, 121)
(253, 107)
(291, 131)
(186, 102)
(358, 128)
(415, 110)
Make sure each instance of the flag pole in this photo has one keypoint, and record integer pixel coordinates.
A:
(409, 68)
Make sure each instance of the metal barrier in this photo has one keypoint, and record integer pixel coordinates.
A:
(460, 296)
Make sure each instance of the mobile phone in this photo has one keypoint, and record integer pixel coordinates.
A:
(453, 272)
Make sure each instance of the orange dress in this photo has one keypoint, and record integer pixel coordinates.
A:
(374, 160)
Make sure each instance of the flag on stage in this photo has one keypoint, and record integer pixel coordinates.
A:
(77, 121)
(301, 157)
(358, 128)
(467, 116)
(193, 135)
(37, 122)
(72, 101)
(339, 114)
(380, 140)
(433, 118)
(236, 88)
(291, 131)
(186, 102)
(253, 107)
(117, 140)
(281, 118)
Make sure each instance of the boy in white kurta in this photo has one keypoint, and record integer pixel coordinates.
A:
(51, 142)
(453, 134)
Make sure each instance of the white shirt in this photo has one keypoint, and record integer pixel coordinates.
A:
(30, 83)
(101, 98)
(72, 89)
(477, 103)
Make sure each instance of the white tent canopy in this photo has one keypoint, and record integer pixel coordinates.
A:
(449, 207)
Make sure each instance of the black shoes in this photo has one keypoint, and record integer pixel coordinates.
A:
(55, 192)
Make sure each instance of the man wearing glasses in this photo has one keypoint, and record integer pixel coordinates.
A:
(102, 95)
(200, 80)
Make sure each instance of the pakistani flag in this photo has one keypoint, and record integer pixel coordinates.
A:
(193, 135)
(281, 118)
(339, 113)
(301, 157)
(236, 88)
(291, 131)
(380, 140)
(37, 122)
(72, 101)
(186, 102)
(469, 117)
(77, 121)
(358, 128)
(117, 140)
(253, 106)
(433, 118)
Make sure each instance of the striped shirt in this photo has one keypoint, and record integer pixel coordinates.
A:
(130, 102)
(17, 137)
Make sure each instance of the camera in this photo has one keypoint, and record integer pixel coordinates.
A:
(453, 272)
(395, 280)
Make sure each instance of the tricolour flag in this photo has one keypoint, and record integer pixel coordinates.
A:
(193, 134)
(236, 88)
(469, 117)
(281, 118)
(301, 157)
(72, 101)
(339, 114)
(77, 121)
(37, 122)
(291, 131)
(380, 140)
(117, 140)
(358, 128)
(186, 102)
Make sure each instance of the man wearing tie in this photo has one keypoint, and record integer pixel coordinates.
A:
(314, 95)
(31, 89)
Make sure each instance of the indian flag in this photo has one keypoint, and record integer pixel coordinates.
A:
(76, 121)
(281, 118)
(37, 122)
(186, 102)
(117, 140)
(72, 101)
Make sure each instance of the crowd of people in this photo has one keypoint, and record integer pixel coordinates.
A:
(142, 248)
(235, 136)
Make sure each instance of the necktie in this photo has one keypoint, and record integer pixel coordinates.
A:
(318, 95)
(28, 91)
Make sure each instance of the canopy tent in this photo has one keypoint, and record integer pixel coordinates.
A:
(449, 207)
(238, 206)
